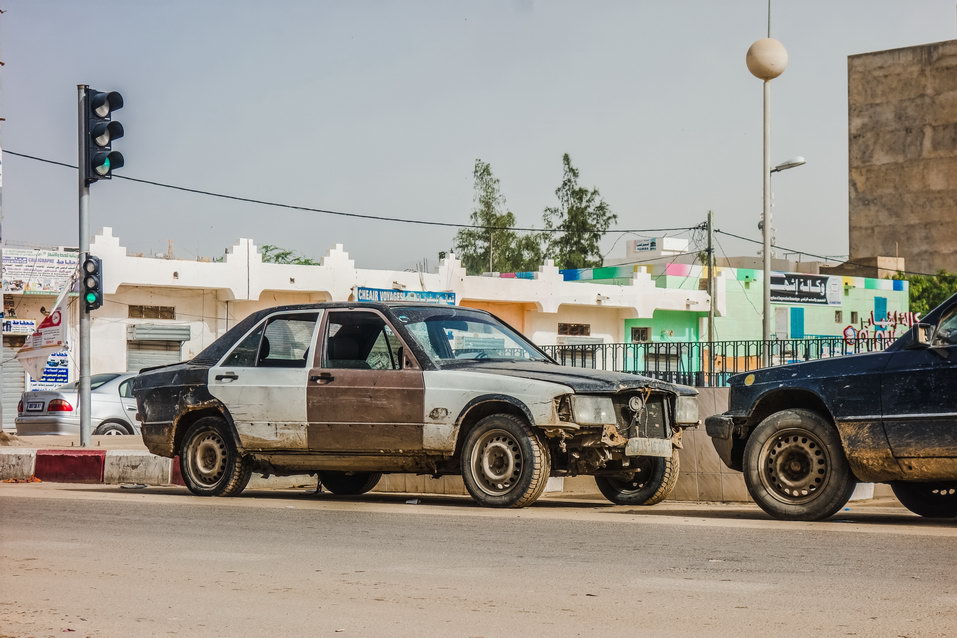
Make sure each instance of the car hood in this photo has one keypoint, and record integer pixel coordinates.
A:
(581, 380)
(796, 373)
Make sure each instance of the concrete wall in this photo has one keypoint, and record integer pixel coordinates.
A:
(902, 116)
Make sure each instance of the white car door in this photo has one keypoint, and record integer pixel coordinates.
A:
(262, 381)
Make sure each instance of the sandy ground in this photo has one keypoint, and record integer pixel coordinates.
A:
(104, 561)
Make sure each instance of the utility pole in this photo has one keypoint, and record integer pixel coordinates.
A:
(83, 387)
(711, 287)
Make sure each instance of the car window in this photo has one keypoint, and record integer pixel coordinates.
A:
(96, 381)
(244, 355)
(126, 389)
(286, 341)
(947, 329)
(451, 335)
(361, 341)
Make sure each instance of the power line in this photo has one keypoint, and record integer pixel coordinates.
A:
(250, 200)
(824, 257)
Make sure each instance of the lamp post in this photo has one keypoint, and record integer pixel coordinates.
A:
(766, 59)
(794, 162)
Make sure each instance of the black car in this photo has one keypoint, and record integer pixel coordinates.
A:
(804, 434)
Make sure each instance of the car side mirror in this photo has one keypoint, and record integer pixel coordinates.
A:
(922, 335)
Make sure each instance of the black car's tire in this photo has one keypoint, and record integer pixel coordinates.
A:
(653, 481)
(209, 461)
(349, 483)
(933, 500)
(112, 427)
(795, 467)
(505, 463)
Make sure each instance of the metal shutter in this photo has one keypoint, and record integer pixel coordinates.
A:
(146, 354)
(13, 381)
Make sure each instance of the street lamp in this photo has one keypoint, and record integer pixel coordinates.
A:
(794, 162)
(766, 59)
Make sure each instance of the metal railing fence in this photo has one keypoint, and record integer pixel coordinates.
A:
(704, 364)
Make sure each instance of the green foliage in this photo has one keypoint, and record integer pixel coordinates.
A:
(926, 292)
(276, 255)
(583, 218)
(510, 251)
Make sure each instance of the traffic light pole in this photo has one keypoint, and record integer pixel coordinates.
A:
(84, 200)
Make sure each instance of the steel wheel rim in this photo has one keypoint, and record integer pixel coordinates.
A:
(207, 458)
(112, 432)
(795, 466)
(497, 462)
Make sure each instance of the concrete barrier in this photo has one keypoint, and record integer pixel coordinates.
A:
(17, 463)
(70, 466)
(136, 466)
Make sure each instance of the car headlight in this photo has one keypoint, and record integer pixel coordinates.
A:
(686, 411)
(588, 410)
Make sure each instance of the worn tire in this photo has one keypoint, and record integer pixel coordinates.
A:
(795, 467)
(112, 427)
(209, 461)
(349, 483)
(651, 484)
(932, 500)
(505, 463)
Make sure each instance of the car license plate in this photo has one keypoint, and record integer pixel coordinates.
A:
(34, 406)
(640, 446)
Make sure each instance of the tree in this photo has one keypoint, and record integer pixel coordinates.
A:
(581, 218)
(926, 292)
(490, 246)
(276, 255)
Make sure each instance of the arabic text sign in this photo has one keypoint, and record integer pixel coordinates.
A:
(28, 271)
(379, 295)
(806, 289)
(55, 373)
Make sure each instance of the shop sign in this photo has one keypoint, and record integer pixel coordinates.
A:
(37, 272)
(55, 373)
(19, 326)
(380, 295)
(795, 288)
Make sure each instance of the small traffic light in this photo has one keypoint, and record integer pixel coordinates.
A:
(101, 130)
(92, 283)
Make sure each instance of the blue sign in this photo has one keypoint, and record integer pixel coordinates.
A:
(381, 295)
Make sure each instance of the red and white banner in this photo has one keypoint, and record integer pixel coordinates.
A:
(49, 338)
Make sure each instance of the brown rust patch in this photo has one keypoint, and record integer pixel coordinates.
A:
(868, 452)
(611, 437)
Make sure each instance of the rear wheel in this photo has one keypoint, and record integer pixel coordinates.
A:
(209, 461)
(933, 500)
(349, 483)
(651, 483)
(795, 468)
(505, 463)
(112, 428)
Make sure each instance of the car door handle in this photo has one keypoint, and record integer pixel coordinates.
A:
(131, 409)
(322, 377)
(231, 376)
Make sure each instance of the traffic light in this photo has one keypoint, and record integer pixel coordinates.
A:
(101, 130)
(92, 283)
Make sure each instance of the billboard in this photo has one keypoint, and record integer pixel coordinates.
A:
(797, 288)
(30, 271)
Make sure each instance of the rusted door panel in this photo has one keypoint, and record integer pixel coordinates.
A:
(919, 390)
(363, 410)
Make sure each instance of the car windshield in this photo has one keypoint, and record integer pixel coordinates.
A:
(454, 335)
(96, 381)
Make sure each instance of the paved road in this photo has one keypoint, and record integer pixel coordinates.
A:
(102, 561)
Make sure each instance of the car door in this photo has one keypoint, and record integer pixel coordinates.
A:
(920, 396)
(127, 401)
(262, 381)
(366, 392)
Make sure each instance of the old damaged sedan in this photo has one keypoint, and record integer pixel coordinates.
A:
(352, 391)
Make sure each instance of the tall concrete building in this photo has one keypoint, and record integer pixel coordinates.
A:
(902, 111)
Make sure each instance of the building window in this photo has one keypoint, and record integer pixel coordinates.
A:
(854, 317)
(152, 312)
(640, 335)
(838, 316)
(574, 329)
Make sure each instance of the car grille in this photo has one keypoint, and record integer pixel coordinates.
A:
(651, 422)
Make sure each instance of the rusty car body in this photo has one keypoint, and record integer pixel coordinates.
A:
(804, 434)
(350, 391)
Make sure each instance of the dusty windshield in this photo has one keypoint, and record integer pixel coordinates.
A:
(452, 335)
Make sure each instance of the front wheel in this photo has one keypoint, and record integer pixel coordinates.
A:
(209, 461)
(932, 500)
(505, 463)
(652, 481)
(111, 428)
(349, 483)
(795, 468)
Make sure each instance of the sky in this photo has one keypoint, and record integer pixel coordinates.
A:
(381, 107)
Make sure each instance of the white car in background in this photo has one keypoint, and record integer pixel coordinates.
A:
(57, 411)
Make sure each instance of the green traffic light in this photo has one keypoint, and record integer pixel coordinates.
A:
(103, 168)
(90, 297)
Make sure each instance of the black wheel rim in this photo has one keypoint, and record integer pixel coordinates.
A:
(795, 466)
